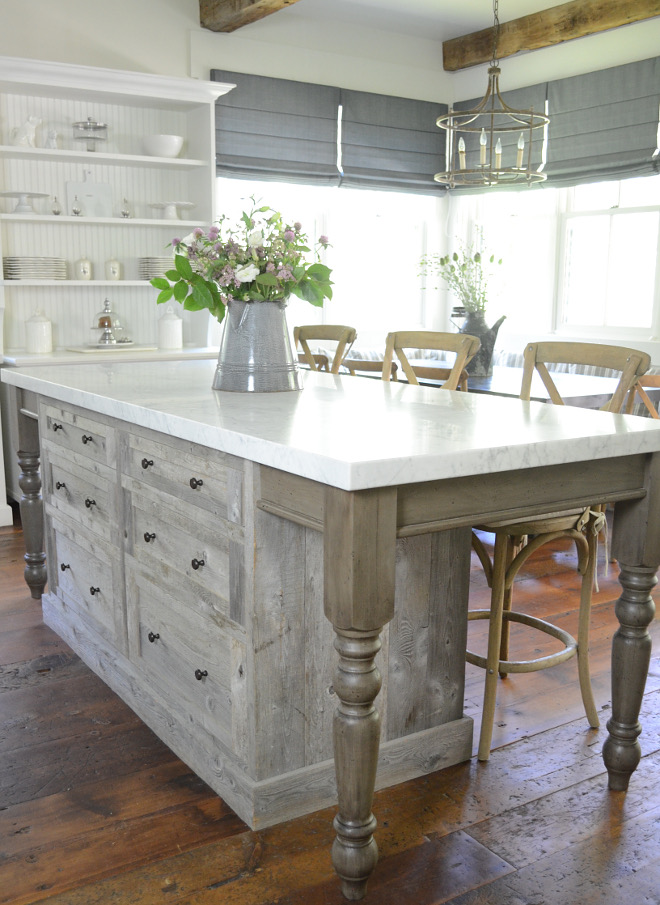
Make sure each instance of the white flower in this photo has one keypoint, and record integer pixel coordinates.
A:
(255, 239)
(247, 273)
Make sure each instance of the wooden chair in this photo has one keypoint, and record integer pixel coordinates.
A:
(651, 380)
(321, 361)
(367, 366)
(343, 336)
(515, 542)
(463, 345)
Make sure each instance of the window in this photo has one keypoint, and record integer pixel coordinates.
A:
(377, 240)
(609, 259)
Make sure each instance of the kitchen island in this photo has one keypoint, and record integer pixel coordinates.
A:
(193, 538)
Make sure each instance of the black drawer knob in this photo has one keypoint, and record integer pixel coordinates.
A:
(153, 636)
(94, 591)
(149, 536)
(201, 674)
(64, 566)
(86, 438)
(146, 463)
(197, 564)
(59, 485)
(196, 482)
(89, 503)
(57, 427)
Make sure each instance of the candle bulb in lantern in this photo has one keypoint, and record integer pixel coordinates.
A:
(483, 141)
(498, 154)
(461, 152)
(521, 148)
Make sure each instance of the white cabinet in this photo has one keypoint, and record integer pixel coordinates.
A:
(134, 106)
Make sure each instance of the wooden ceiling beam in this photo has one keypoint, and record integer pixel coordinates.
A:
(228, 15)
(575, 19)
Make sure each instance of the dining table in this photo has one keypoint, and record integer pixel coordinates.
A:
(363, 463)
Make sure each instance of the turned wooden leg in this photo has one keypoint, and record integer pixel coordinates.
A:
(631, 653)
(359, 556)
(356, 729)
(31, 506)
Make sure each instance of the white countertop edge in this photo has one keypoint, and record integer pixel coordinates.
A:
(363, 471)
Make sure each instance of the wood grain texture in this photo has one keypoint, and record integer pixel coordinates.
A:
(575, 19)
(228, 15)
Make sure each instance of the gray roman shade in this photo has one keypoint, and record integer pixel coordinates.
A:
(604, 125)
(391, 142)
(276, 129)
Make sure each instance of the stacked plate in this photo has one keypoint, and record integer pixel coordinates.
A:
(21, 268)
(153, 267)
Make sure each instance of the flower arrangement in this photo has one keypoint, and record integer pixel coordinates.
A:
(260, 259)
(466, 274)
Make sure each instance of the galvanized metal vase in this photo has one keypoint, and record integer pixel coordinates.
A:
(255, 350)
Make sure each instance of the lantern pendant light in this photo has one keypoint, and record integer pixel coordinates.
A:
(482, 160)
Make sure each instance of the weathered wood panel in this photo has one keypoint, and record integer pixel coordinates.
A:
(575, 19)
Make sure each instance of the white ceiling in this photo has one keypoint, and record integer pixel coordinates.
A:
(433, 19)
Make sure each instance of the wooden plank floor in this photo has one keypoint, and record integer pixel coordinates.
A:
(94, 809)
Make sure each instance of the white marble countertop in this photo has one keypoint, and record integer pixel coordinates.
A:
(349, 432)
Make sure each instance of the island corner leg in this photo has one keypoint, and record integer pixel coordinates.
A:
(636, 547)
(359, 558)
(31, 504)
(631, 655)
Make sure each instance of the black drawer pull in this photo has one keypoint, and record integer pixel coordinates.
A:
(200, 674)
(93, 591)
(57, 427)
(149, 536)
(147, 462)
(59, 485)
(153, 636)
(89, 503)
(196, 482)
(86, 438)
(64, 566)
(197, 563)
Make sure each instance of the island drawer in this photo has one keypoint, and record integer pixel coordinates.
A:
(206, 478)
(66, 429)
(165, 539)
(86, 497)
(84, 579)
(196, 667)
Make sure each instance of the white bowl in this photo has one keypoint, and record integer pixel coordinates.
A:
(162, 145)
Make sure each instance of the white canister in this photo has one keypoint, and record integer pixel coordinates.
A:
(170, 330)
(113, 269)
(38, 334)
(82, 269)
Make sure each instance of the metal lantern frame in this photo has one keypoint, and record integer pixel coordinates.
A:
(491, 118)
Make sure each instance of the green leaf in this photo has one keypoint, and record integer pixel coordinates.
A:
(164, 296)
(159, 283)
(320, 272)
(180, 290)
(266, 279)
(183, 267)
(172, 275)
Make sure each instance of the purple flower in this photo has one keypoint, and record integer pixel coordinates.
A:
(176, 242)
(213, 233)
(297, 226)
(324, 241)
(198, 232)
(289, 235)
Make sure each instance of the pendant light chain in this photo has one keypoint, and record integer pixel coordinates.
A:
(496, 32)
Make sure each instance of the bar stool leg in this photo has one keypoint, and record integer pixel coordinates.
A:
(494, 639)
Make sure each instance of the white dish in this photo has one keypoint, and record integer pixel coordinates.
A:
(162, 145)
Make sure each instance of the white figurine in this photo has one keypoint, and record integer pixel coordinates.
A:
(52, 138)
(25, 135)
